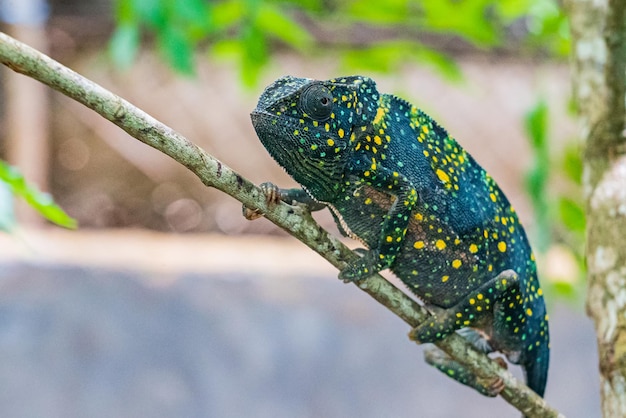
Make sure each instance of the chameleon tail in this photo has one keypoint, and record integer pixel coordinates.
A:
(536, 368)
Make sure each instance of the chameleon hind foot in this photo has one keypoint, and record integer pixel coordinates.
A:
(274, 194)
(444, 363)
(470, 309)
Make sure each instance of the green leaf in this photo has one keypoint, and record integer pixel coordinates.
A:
(42, 202)
(573, 163)
(513, 9)
(572, 214)
(124, 45)
(393, 12)
(254, 54)
(228, 13)
(469, 19)
(178, 49)
(276, 24)
(536, 122)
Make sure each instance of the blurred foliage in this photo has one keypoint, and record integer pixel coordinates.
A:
(390, 32)
(42, 202)
(559, 218)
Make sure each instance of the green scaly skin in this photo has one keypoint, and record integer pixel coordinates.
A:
(396, 181)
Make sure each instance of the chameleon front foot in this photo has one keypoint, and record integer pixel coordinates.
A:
(272, 196)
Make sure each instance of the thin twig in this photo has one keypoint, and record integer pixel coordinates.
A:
(294, 220)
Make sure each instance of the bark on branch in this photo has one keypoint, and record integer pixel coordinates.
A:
(294, 220)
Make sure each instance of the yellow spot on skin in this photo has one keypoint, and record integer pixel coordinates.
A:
(426, 153)
(440, 244)
(315, 123)
(461, 159)
(419, 216)
(418, 245)
(456, 263)
(540, 292)
(445, 278)
(479, 296)
(503, 282)
(368, 201)
(502, 246)
(425, 129)
(380, 113)
(366, 174)
(492, 196)
(485, 233)
(473, 248)
(330, 142)
(341, 133)
(442, 175)
(377, 140)
(296, 132)
(529, 312)
(472, 301)
(313, 147)
(373, 165)
(389, 238)
(327, 127)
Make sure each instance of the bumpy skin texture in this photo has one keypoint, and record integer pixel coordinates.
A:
(395, 180)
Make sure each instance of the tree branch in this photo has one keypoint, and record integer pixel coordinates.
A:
(294, 220)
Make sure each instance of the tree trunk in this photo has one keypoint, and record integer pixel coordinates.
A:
(599, 58)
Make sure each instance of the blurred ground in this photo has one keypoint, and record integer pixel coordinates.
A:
(130, 324)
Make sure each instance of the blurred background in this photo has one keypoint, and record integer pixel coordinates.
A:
(165, 302)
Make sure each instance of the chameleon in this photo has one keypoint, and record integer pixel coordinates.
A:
(396, 181)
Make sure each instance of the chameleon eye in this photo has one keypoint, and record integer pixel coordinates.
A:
(317, 102)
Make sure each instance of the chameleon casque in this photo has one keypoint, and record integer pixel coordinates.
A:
(396, 181)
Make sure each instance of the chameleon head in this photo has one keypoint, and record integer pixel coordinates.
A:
(307, 126)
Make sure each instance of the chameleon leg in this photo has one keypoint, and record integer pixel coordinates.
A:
(440, 360)
(273, 194)
(467, 312)
(394, 224)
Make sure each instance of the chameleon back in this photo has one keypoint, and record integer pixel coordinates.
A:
(396, 181)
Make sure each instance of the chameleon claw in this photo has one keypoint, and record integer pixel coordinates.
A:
(250, 214)
(271, 191)
(272, 196)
